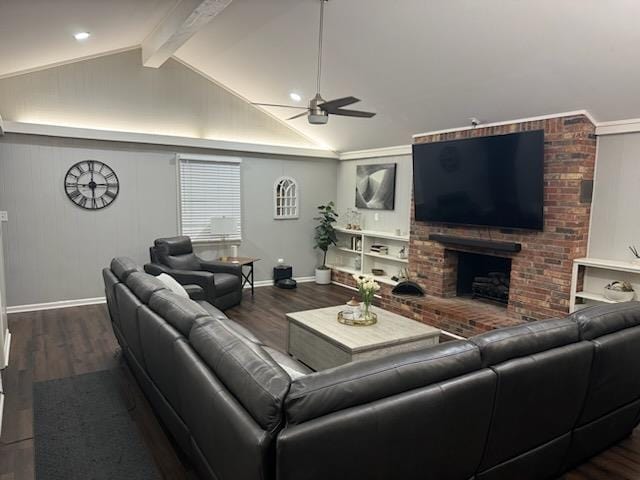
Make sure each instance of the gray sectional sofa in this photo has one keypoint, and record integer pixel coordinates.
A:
(527, 402)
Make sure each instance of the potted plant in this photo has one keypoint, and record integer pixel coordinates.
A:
(325, 237)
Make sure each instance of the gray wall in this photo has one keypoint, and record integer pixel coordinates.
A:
(388, 220)
(54, 250)
(269, 239)
(615, 221)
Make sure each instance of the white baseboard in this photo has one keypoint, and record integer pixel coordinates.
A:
(94, 301)
(269, 283)
(53, 305)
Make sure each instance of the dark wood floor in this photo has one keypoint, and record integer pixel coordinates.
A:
(60, 343)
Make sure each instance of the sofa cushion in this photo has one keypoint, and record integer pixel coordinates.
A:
(175, 245)
(177, 253)
(233, 325)
(188, 261)
(500, 345)
(615, 374)
(122, 267)
(178, 311)
(369, 380)
(435, 432)
(601, 320)
(247, 371)
(212, 311)
(144, 285)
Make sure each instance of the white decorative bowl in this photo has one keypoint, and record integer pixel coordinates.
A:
(618, 296)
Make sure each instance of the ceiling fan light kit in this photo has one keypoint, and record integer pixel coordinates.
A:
(318, 111)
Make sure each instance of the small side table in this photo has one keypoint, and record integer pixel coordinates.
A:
(243, 262)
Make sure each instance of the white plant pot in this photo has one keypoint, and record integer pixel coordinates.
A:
(323, 277)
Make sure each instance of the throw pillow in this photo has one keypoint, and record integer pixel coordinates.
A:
(173, 285)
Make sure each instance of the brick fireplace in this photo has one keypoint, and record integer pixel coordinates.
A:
(540, 273)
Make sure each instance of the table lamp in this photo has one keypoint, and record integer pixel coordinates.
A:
(225, 226)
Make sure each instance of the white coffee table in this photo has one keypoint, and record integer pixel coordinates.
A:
(316, 338)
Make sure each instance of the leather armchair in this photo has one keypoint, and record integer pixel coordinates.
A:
(217, 283)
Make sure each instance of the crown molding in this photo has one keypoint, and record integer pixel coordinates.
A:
(509, 122)
(168, 140)
(377, 152)
(615, 127)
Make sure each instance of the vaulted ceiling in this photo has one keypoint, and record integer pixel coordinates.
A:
(420, 64)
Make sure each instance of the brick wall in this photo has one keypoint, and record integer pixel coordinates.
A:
(460, 316)
(541, 272)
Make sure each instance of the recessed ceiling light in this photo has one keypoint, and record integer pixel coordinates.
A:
(295, 96)
(81, 36)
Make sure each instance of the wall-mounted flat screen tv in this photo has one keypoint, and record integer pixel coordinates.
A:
(495, 181)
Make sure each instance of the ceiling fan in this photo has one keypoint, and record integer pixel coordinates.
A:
(319, 109)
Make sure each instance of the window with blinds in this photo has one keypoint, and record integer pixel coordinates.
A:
(209, 197)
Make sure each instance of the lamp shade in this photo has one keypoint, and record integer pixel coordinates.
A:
(223, 225)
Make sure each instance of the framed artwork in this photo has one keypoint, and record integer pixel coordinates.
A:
(376, 186)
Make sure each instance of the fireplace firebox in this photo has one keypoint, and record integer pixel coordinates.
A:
(484, 277)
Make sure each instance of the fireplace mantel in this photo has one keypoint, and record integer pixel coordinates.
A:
(499, 246)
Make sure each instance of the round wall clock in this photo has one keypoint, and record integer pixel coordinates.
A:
(91, 184)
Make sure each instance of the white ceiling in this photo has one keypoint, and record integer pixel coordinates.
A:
(34, 33)
(421, 64)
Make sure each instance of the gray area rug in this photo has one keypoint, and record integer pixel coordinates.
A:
(82, 430)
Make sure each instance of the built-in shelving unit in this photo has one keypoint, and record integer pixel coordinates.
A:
(599, 272)
(344, 258)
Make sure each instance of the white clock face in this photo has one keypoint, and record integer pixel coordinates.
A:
(91, 184)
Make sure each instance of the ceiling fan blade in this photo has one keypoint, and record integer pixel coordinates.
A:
(279, 105)
(304, 114)
(353, 113)
(332, 105)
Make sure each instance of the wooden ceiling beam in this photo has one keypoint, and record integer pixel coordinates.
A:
(184, 21)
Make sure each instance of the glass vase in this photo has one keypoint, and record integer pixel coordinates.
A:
(365, 310)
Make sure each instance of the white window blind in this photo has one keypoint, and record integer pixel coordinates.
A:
(209, 189)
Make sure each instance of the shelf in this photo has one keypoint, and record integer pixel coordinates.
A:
(385, 279)
(386, 257)
(357, 233)
(348, 250)
(352, 271)
(373, 234)
(349, 270)
(596, 297)
(616, 265)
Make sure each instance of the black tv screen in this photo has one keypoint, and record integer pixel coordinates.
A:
(493, 181)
